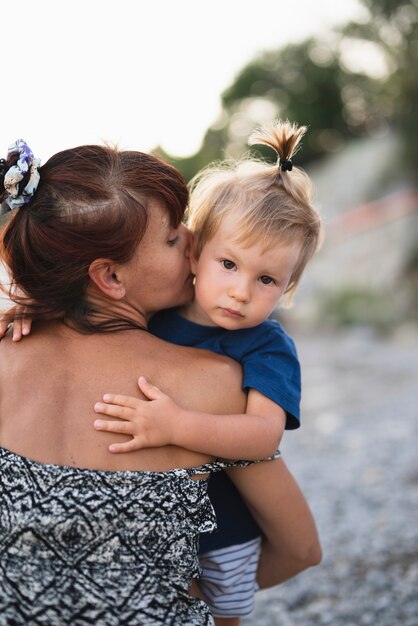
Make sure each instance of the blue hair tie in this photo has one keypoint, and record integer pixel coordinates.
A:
(25, 163)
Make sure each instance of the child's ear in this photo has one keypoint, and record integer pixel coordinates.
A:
(105, 275)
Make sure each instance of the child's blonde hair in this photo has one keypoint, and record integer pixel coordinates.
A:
(272, 203)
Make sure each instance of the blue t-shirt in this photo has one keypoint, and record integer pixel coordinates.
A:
(270, 364)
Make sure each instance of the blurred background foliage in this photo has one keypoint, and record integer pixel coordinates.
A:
(359, 81)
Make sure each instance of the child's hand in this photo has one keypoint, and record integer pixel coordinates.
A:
(150, 422)
(21, 326)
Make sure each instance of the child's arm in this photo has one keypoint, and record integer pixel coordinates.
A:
(159, 421)
(290, 538)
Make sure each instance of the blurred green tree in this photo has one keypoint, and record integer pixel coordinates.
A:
(303, 82)
(358, 81)
(307, 83)
(393, 27)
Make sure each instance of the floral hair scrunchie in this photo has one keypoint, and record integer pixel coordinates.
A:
(26, 163)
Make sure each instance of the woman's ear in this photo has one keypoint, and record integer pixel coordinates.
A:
(105, 275)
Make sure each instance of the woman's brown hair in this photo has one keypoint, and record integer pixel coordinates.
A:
(91, 203)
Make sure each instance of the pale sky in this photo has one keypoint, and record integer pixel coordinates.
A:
(137, 73)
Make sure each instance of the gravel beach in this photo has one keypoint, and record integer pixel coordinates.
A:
(356, 458)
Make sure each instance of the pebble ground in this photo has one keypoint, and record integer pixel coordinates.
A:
(356, 458)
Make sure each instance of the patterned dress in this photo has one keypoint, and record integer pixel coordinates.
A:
(80, 546)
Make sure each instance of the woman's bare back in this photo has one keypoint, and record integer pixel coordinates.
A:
(50, 381)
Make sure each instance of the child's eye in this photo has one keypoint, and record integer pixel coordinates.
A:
(173, 240)
(227, 264)
(267, 280)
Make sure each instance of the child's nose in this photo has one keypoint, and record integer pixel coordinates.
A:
(240, 291)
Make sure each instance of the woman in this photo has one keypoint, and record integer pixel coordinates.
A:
(86, 536)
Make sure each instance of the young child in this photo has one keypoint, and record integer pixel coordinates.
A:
(254, 230)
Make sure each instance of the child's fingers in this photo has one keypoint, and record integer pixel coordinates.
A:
(17, 330)
(128, 446)
(26, 324)
(114, 410)
(4, 325)
(123, 428)
(129, 402)
(150, 391)
(5, 318)
(21, 326)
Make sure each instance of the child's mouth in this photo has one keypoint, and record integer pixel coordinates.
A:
(232, 313)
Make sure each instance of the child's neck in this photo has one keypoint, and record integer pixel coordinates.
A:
(194, 313)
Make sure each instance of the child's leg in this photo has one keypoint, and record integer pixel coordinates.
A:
(219, 621)
(290, 542)
(228, 581)
(227, 621)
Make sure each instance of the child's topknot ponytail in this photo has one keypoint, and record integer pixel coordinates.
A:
(284, 137)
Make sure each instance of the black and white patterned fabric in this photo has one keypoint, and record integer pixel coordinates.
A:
(80, 546)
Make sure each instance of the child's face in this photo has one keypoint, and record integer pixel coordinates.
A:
(238, 286)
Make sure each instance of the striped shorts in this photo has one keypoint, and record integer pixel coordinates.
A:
(228, 580)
